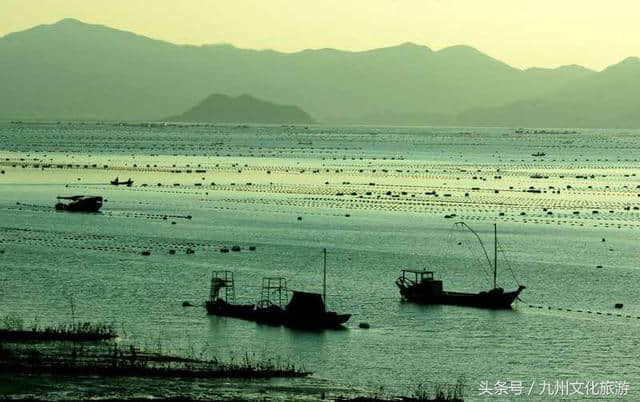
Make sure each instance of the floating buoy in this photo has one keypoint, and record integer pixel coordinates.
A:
(364, 325)
(172, 252)
(299, 218)
(618, 305)
(252, 248)
(235, 248)
(186, 304)
(189, 251)
(146, 252)
(224, 250)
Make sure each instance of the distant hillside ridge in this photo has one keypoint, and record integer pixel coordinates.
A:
(609, 99)
(74, 70)
(218, 108)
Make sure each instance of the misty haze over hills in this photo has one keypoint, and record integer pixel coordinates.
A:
(72, 70)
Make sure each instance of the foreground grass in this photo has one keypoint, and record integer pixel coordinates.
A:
(435, 393)
(71, 332)
(114, 361)
(12, 330)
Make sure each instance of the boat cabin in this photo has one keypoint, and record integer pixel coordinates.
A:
(421, 282)
(421, 275)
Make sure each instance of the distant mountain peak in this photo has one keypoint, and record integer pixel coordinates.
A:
(631, 60)
(70, 21)
(628, 64)
(244, 108)
(462, 49)
(412, 44)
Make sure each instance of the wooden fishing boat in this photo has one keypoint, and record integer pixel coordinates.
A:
(421, 287)
(79, 203)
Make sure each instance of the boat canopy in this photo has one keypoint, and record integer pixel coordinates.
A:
(304, 303)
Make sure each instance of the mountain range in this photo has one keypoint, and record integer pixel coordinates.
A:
(74, 70)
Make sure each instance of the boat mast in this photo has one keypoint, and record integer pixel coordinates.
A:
(495, 254)
(324, 278)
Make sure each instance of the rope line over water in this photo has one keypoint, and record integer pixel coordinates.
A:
(582, 311)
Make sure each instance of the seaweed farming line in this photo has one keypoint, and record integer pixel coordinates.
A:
(433, 172)
(501, 218)
(434, 208)
(115, 214)
(141, 242)
(405, 205)
(521, 202)
(138, 250)
(582, 311)
(508, 166)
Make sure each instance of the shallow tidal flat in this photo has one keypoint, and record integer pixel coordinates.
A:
(380, 199)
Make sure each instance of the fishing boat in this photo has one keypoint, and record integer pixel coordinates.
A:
(224, 304)
(117, 182)
(79, 203)
(421, 287)
(305, 310)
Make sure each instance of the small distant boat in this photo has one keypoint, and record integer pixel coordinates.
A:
(539, 154)
(79, 203)
(422, 288)
(117, 182)
(224, 305)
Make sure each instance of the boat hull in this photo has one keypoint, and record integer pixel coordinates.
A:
(277, 317)
(221, 308)
(329, 320)
(81, 204)
(492, 299)
(272, 315)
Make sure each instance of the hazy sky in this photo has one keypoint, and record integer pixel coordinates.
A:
(523, 33)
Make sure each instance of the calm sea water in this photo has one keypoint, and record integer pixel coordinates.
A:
(571, 239)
